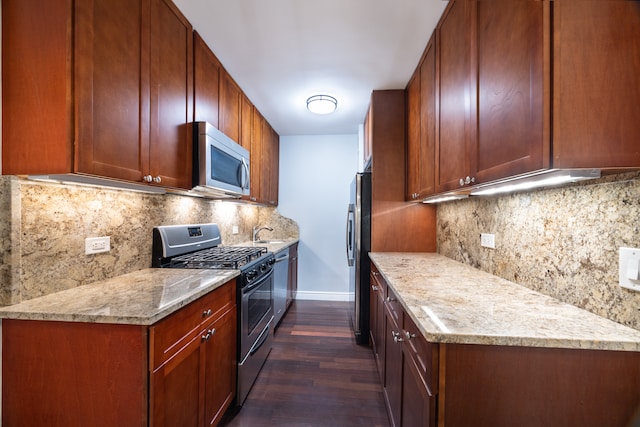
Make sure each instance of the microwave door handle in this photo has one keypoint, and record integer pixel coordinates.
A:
(245, 180)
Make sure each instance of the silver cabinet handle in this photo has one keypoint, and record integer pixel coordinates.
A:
(397, 336)
(206, 313)
(147, 178)
(374, 288)
(209, 334)
(389, 299)
(157, 179)
(409, 335)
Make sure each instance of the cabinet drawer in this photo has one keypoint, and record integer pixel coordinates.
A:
(423, 354)
(394, 307)
(174, 332)
(378, 281)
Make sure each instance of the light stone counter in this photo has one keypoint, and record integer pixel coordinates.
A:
(274, 245)
(139, 298)
(451, 302)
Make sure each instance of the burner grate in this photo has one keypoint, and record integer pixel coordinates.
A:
(230, 257)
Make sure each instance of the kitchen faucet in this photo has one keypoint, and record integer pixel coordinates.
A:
(257, 230)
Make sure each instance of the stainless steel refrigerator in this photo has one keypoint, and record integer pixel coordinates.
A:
(358, 241)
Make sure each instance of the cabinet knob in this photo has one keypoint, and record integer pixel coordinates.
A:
(374, 288)
(409, 335)
(389, 299)
(397, 336)
(157, 179)
(461, 182)
(209, 334)
(206, 313)
(147, 178)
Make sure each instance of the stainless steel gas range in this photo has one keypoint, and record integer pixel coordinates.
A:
(199, 246)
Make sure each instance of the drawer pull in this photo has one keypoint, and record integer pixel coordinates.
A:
(389, 299)
(209, 334)
(374, 287)
(207, 313)
(397, 336)
(409, 335)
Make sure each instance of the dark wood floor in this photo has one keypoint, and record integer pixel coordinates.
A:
(316, 375)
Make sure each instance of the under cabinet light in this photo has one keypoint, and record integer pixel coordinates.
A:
(543, 179)
(440, 198)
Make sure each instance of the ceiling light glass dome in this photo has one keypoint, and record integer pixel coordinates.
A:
(322, 104)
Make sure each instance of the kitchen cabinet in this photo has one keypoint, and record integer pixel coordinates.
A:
(265, 152)
(246, 122)
(497, 115)
(409, 362)
(179, 371)
(455, 150)
(596, 84)
(193, 362)
(207, 70)
(292, 286)
(386, 120)
(111, 98)
(377, 319)
(230, 107)
(421, 125)
(367, 140)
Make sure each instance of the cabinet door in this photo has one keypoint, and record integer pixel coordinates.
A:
(421, 127)
(246, 122)
(271, 165)
(413, 137)
(111, 84)
(393, 370)
(377, 322)
(171, 95)
(206, 82)
(220, 366)
(230, 107)
(175, 388)
(418, 407)
(511, 137)
(455, 151)
(292, 286)
(256, 156)
(596, 84)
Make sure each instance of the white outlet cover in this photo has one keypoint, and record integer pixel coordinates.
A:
(488, 240)
(96, 245)
(629, 268)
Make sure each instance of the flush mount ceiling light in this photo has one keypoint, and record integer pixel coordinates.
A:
(322, 104)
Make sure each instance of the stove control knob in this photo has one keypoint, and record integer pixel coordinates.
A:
(251, 274)
(263, 267)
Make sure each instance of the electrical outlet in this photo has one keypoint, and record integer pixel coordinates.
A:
(629, 268)
(96, 245)
(234, 229)
(488, 240)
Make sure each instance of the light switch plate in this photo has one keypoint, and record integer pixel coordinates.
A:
(629, 268)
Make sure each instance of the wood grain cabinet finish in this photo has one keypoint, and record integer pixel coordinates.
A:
(207, 70)
(180, 371)
(230, 107)
(389, 209)
(377, 319)
(105, 85)
(193, 357)
(421, 126)
(458, 385)
(498, 116)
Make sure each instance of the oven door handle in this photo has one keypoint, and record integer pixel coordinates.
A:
(261, 339)
(254, 285)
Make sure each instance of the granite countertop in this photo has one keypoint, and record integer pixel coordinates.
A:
(139, 298)
(273, 245)
(451, 302)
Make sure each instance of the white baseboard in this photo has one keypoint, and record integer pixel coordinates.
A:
(324, 296)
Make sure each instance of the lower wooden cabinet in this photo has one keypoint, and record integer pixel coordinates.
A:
(377, 319)
(179, 372)
(458, 385)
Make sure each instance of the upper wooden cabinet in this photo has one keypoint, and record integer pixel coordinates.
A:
(596, 83)
(105, 85)
(386, 121)
(497, 115)
(421, 116)
(207, 70)
(230, 107)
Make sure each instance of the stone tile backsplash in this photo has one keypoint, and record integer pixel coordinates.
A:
(562, 242)
(43, 227)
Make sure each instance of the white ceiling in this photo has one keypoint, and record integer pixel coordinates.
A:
(281, 52)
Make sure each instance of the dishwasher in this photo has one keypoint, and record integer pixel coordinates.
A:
(280, 281)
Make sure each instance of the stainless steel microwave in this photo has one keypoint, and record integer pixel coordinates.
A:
(220, 165)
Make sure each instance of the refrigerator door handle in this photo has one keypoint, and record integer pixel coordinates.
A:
(350, 235)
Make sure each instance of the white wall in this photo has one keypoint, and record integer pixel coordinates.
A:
(315, 177)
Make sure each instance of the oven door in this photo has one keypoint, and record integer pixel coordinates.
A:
(256, 311)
